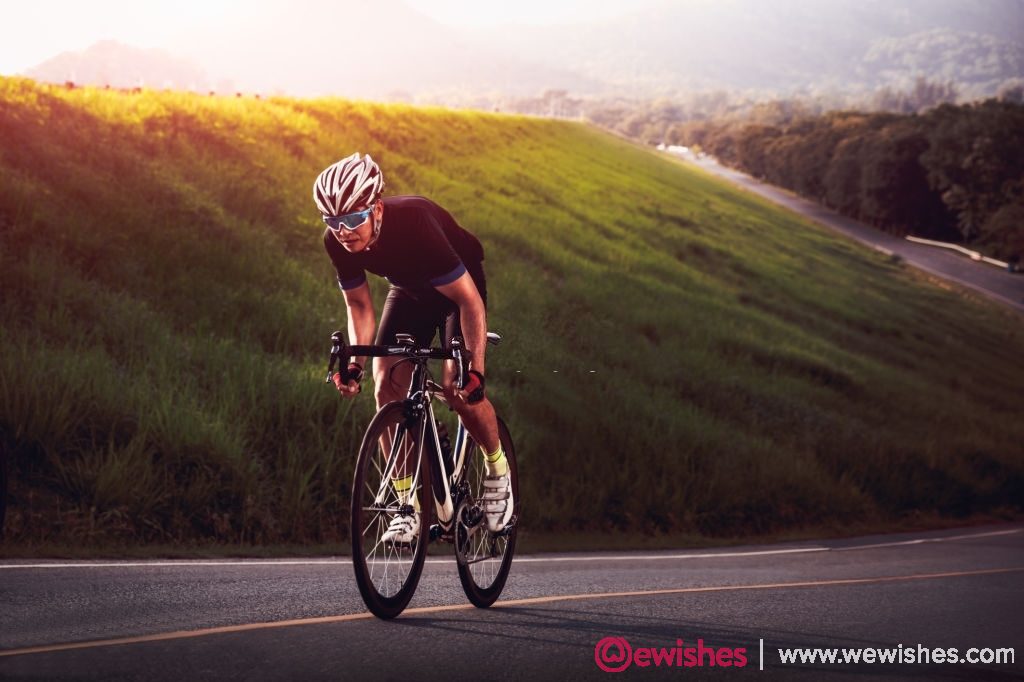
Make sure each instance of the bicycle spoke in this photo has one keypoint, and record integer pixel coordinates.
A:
(387, 571)
(485, 557)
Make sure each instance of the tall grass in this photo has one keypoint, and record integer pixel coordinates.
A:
(680, 357)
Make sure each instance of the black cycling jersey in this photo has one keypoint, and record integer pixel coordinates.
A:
(420, 247)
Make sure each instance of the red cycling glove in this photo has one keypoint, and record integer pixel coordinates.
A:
(474, 388)
(353, 373)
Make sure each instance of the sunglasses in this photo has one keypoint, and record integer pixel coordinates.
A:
(349, 221)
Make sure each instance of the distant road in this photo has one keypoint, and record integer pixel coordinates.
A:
(302, 619)
(995, 283)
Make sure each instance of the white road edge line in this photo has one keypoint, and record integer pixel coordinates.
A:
(248, 627)
(333, 562)
(656, 557)
(525, 560)
(922, 541)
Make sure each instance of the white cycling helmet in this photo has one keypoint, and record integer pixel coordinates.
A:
(350, 183)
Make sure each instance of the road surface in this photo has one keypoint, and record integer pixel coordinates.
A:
(303, 619)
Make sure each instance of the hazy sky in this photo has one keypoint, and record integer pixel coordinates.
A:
(494, 12)
(35, 30)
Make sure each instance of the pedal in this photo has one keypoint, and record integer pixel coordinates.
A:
(436, 532)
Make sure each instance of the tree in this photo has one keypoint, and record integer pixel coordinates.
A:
(924, 95)
(894, 185)
(1011, 90)
(975, 155)
(1004, 231)
(751, 147)
(842, 179)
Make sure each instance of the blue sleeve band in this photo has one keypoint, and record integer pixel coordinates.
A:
(353, 283)
(450, 277)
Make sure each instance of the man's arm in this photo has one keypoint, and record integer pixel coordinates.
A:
(362, 321)
(472, 317)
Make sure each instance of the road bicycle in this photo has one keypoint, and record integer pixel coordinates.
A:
(404, 439)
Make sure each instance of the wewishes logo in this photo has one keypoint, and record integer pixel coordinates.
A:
(615, 654)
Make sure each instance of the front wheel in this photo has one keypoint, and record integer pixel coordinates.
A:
(484, 558)
(388, 570)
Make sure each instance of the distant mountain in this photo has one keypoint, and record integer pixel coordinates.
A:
(122, 66)
(979, 62)
(787, 45)
(386, 49)
(365, 49)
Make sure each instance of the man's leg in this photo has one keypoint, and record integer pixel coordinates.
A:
(390, 384)
(482, 423)
(480, 418)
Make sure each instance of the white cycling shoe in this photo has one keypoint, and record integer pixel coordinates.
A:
(402, 529)
(497, 502)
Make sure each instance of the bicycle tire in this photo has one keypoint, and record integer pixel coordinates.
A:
(386, 573)
(483, 579)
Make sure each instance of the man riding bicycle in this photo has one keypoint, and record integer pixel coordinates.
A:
(435, 269)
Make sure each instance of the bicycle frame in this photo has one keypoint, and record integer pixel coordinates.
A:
(419, 412)
(419, 407)
(447, 490)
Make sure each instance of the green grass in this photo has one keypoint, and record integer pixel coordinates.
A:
(682, 360)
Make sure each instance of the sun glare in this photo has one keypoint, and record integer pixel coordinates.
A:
(476, 13)
(32, 32)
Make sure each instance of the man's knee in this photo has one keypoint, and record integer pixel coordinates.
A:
(387, 384)
(382, 394)
(476, 410)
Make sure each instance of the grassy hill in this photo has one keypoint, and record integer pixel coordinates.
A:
(680, 358)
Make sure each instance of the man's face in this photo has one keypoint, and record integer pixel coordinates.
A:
(358, 239)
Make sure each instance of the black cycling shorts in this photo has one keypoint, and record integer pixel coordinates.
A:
(424, 313)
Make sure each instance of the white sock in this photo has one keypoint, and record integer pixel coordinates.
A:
(495, 462)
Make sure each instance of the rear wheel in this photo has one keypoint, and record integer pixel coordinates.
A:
(387, 572)
(484, 558)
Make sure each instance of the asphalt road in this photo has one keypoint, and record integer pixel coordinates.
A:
(303, 619)
(994, 282)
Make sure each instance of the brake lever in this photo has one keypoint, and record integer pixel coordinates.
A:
(338, 340)
(460, 376)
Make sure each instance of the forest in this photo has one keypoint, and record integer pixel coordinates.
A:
(954, 172)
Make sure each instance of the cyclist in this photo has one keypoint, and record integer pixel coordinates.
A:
(437, 284)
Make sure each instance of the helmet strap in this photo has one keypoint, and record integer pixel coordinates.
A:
(376, 231)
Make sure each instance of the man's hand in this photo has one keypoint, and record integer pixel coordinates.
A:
(474, 390)
(347, 382)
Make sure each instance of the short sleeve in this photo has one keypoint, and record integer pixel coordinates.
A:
(445, 264)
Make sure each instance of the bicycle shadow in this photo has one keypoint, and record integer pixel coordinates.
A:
(562, 635)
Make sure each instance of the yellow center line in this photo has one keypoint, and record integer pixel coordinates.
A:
(183, 634)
